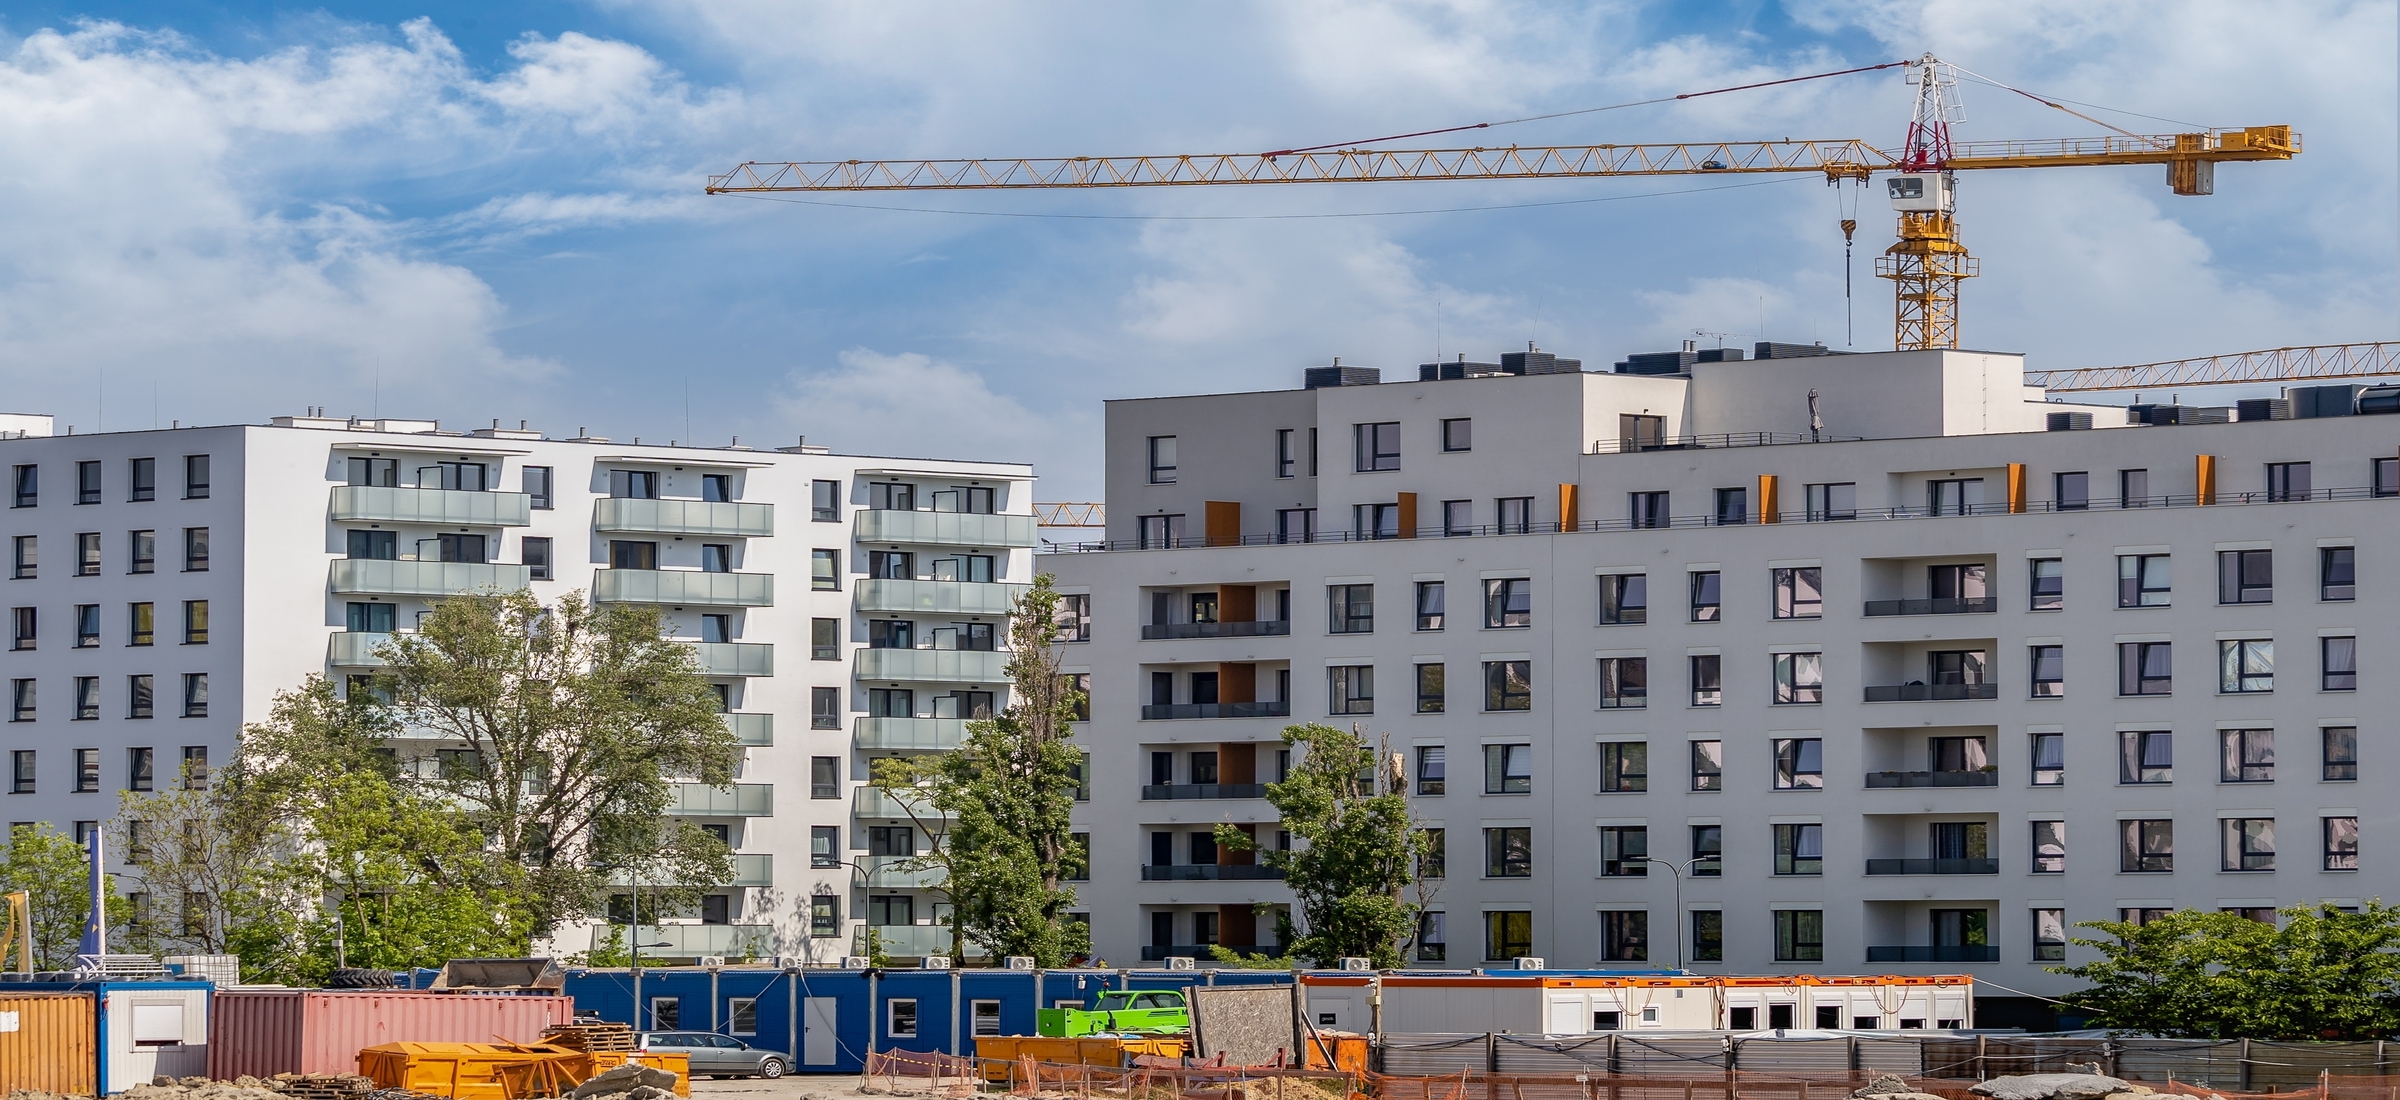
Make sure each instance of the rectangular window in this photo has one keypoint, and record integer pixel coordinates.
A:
(2337, 573)
(2245, 576)
(1799, 935)
(2143, 580)
(825, 708)
(2287, 481)
(1799, 593)
(2049, 665)
(87, 699)
(2245, 667)
(1799, 849)
(536, 481)
(716, 488)
(2073, 491)
(195, 698)
(534, 553)
(824, 777)
(87, 625)
(1458, 434)
(374, 545)
(2247, 756)
(716, 557)
(1074, 618)
(87, 482)
(141, 621)
(21, 772)
(1350, 689)
(1707, 596)
(825, 573)
(28, 556)
(2049, 935)
(1624, 766)
(2048, 584)
(1799, 763)
(1378, 446)
(138, 705)
(142, 552)
(825, 501)
(1433, 769)
(1707, 672)
(1624, 599)
(468, 549)
(2133, 489)
(1733, 507)
(28, 483)
(138, 769)
(1507, 685)
(1291, 525)
(371, 618)
(195, 477)
(2338, 658)
(2145, 756)
(1507, 604)
(195, 622)
(2341, 843)
(2387, 477)
(1624, 851)
(900, 1015)
(824, 915)
(2049, 847)
(1708, 765)
(2145, 668)
(1432, 939)
(1507, 934)
(1430, 599)
(1624, 682)
(1508, 853)
(1625, 935)
(633, 484)
(195, 549)
(1458, 518)
(1954, 496)
(87, 554)
(2249, 844)
(1515, 515)
(1833, 500)
(2340, 752)
(1432, 693)
(1286, 454)
(21, 700)
(1708, 851)
(825, 639)
(26, 628)
(1799, 678)
(2049, 759)
(1708, 935)
(1350, 609)
(1508, 769)
(1647, 510)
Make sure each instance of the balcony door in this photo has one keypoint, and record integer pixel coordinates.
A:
(1961, 840)
(1960, 927)
(1956, 582)
(1955, 667)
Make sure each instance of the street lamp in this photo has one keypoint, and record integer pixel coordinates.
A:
(1677, 870)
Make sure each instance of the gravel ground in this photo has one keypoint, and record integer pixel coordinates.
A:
(826, 1086)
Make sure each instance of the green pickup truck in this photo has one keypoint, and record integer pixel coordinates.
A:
(1145, 1012)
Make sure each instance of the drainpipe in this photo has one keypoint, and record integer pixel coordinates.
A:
(791, 986)
(954, 988)
(712, 999)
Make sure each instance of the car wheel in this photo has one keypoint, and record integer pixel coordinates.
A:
(770, 1068)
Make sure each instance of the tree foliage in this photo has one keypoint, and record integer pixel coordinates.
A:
(1354, 847)
(2322, 974)
(55, 873)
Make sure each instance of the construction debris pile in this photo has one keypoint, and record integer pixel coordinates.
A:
(590, 1036)
(2092, 1085)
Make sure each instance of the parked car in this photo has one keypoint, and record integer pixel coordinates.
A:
(717, 1055)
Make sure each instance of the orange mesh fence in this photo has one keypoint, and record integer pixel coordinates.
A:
(1026, 1077)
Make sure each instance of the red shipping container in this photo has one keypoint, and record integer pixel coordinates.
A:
(263, 1032)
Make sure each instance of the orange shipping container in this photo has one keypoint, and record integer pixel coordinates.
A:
(47, 1042)
(263, 1032)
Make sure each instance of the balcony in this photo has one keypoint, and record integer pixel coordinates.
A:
(735, 658)
(733, 519)
(1216, 630)
(944, 666)
(355, 649)
(1933, 866)
(1173, 792)
(387, 577)
(751, 730)
(1957, 953)
(743, 800)
(917, 734)
(913, 941)
(435, 507)
(886, 872)
(1200, 952)
(683, 587)
(749, 869)
(938, 597)
(1972, 605)
(690, 941)
(1161, 712)
(879, 804)
(1198, 872)
(1913, 693)
(946, 528)
(1982, 777)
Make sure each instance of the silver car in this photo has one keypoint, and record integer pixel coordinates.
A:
(717, 1055)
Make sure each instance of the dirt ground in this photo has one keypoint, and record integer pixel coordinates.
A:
(825, 1086)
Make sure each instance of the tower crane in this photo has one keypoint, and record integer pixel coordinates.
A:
(1925, 264)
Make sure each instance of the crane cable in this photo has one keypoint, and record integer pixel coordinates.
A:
(2060, 106)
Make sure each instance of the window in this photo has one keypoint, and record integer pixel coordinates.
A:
(195, 622)
(195, 549)
(1647, 510)
(138, 769)
(2145, 756)
(1430, 597)
(1708, 851)
(1708, 765)
(1506, 604)
(1799, 849)
(2142, 580)
(473, 549)
(716, 488)
(87, 625)
(2287, 481)
(2341, 843)
(2048, 584)
(2049, 759)
(1458, 518)
(28, 482)
(1707, 672)
(2245, 667)
(1291, 525)
(1350, 609)
(536, 482)
(1624, 851)
(1507, 685)
(2049, 847)
(2249, 844)
(2340, 752)
(1708, 935)
(1799, 593)
(824, 777)
(87, 483)
(1508, 852)
(2049, 935)
(2248, 756)
(1707, 596)
(87, 699)
(87, 554)
(1433, 769)
(1624, 599)
(900, 1014)
(1799, 678)
(28, 556)
(825, 571)
(1378, 446)
(2337, 657)
(1954, 496)
(1458, 435)
(1508, 769)
(1507, 934)
(2245, 576)
(1624, 766)
(824, 639)
(824, 915)
(195, 698)
(138, 705)
(1516, 515)
(141, 623)
(1350, 689)
(1733, 507)
(1799, 763)
(825, 708)
(633, 484)
(374, 545)
(21, 700)
(535, 554)
(1284, 452)
(2072, 491)
(2145, 668)
(2337, 573)
(1833, 500)
(1624, 682)
(1432, 941)
(20, 772)
(2147, 846)
(87, 772)
(1625, 935)
(1431, 693)
(1799, 935)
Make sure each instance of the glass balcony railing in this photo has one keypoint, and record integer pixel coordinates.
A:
(1964, 605)
(937, 597)
(690, 941)
(1162, 711)
(386, 577)
(731, 518)
(912, 940)
(886, 871)
(1911, 693)
(1193, 872)
(1977, 778)
(1200, 953)
(735, 658)
(1948, 953)
(741, 800)
(958, 666)
(752, 730)
(355, 649)
(946, 528)
(683, 587)
(749, 869)
(1933, 866)
(1156, 631)
(875, 802)
(921, 734)
(437, 507)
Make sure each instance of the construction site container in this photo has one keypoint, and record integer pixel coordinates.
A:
(1110, 1051)
(263, 1032)
(141, 1029)
(1535, 1003)
(48, 1042)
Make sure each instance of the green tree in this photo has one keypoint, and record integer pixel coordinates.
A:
(997, 808)
(2321, 974)
(56, 876)
(1356, 848)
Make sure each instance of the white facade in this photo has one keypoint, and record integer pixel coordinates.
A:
(323, 534)
(1911, 799)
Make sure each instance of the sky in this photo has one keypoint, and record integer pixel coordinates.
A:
(222, 212)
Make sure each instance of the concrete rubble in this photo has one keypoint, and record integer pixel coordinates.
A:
(2061, 1086)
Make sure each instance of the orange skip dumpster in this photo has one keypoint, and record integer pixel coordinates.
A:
(476, 1071)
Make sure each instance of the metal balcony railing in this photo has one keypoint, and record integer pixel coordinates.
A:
(751, 730)
(388, 577)
(735, 658)
(436, 507)
(1933, 866)
(1975, 605)
(1200, 953)
(730, 518)
(970, 529)
(1910, 693)
(945, 666)
(742, 800)
(355, 649)
(1166, 792)
(683, 587)
(1984, 777)
(1156, 711)
(921, 734)
(1197, 872)
(1262, 629)
(1961, 953)
(937, 597)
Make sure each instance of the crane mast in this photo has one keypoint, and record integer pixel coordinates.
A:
(1928, 261)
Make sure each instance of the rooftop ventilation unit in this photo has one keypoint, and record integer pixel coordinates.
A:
(1443, 372)
(1318, 378)
(2310, 402)
(2070, 421)
(1534, 360)
(1181, 962)
(2262, 408)
(1769, 349)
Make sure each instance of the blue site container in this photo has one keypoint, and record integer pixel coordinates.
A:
(145, 1028)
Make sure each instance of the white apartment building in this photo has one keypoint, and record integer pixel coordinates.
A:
(164, 585)
(1914, 697)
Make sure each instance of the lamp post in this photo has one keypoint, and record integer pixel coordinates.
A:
(633, 939)
(1677, 870)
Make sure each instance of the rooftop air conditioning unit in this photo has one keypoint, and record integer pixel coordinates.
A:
(1020, 962)
(1353, 962)
(1181, 962)
(717, 961)
(935, 962)
(856, 962)
(1529, 962)
(789, 962)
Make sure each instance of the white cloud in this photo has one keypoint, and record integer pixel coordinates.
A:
(915, 406)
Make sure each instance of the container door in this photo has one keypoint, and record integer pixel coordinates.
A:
(817, 1037)
(1566, 1015)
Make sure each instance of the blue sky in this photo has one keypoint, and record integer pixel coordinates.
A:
(227, 211)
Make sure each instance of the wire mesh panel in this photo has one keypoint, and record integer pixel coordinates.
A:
(1793, 1056)
(2287, 1066)
(2217, 1064)
(1906, 1057)
(1431, 1055)
(1671, 1057)
(1555, 1057)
